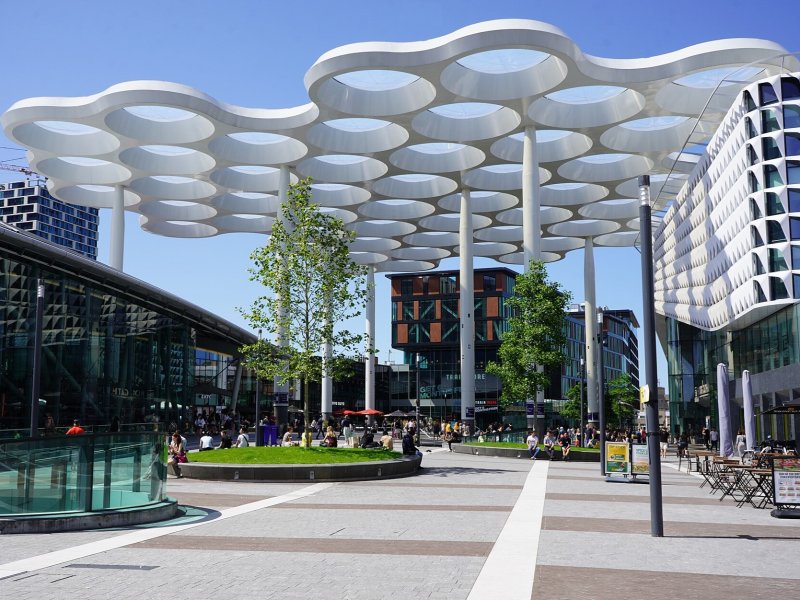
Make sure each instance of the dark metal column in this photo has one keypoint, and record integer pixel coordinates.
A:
(649, 338)
(37, 358)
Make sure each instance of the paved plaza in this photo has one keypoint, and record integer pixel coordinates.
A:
(465, 527)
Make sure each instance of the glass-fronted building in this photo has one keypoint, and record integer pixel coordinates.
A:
(29, 206)
(112, 346)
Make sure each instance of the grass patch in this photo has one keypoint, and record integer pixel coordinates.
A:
(280, 455)
(516, 445)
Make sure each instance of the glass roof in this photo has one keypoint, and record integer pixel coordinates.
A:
(505, 60)
(465, 110)
(357, 124)
(257, 137)
(342, 159)
(167, 150)
(376, 80)
(654, 123)
(587, 94)
(711, 77)
(436, 148)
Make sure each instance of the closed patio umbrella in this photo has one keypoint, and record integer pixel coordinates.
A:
(723, 402)
(749, 415)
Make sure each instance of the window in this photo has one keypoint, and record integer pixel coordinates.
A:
(450, 334)
(791, 116)
(448, 284)
(752, 157)
(769, 120)
(753, 181)
(755, 212)
(777, 289)
(793, 172)
(449, 309)
(770, 148)
(757, 266)
(419, 333)
(427, 310)
(480, 308)
(794, 200)
(489, 283)
(777, 262)
(759, 293)
(796, 285)
(767, 94)
(756, 237)
(748, 100)
(792, 143)
(751, 131)
(794, 227)
(790, 88)
(772, 178)
(406, 287)
(796, 257)
(773, 204)
(408, 311)
(480, 331)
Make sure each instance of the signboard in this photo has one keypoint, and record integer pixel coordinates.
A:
(644, 396)
(530, 409)
(786, 480)
(470, 412)
(640, 459)
(281, 399)
(617, 460)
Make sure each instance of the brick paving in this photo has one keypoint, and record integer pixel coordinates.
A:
(425, 537)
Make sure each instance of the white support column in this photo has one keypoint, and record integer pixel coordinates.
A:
(590, 328)
(117, 249)
(369, 366)
(531, 226)
(466, 311)
(327, 380)
(282, 387)
(531, 200)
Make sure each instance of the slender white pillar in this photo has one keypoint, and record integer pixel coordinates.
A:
(117, 250)
(531, 200)
(282, 387)
(327, 380)
(369, 334)
(531, 223)
(466, 311)
(590, 328)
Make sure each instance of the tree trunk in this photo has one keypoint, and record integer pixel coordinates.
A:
(307, 435)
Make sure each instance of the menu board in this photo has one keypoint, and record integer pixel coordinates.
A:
(617, 458)
(640, 459)
(786, 480)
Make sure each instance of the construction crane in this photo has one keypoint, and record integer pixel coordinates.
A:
(18, 169)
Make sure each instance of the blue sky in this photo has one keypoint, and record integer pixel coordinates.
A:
(255, 54)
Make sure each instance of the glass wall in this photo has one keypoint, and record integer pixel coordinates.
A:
(104, 355)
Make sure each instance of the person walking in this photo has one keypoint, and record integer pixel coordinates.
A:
(533, 445)
(714, 437)
(76, 428)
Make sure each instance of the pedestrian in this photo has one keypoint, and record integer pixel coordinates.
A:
(663, 438)
(76, 428)
(448, 437)
(741, 443)
(565, 446)
(242, 441)
(206, 441)
(714, 437)
(533, 445)
(707, 438)
(177, 454)
(549, 443)
(225, 441)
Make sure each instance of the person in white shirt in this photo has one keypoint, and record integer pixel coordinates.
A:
(206, 442)
(242, 441)
(533, 445)
(549, 442)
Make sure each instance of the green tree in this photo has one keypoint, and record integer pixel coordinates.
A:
(312, 284)
(535, 336)
(572, 407)
(622, 402)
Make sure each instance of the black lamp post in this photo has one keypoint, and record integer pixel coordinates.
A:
(416, 430)
(580, 425)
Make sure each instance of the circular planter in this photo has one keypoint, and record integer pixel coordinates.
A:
(523, 453)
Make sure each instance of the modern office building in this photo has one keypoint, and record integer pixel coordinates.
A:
(727, 264)
(111, 346)
(29, 206)
(620, 348)
(425, 326)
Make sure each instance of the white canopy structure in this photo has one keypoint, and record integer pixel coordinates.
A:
(502, 140)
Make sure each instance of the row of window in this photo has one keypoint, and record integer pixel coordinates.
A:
(790, 90)
(448, 284)
(449, 307)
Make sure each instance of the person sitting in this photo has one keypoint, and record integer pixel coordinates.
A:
(177, 454)
(287, 437)
(225, 441)
(387, 441)
(330, 440)
(368, 439)
(242, 441)
(549, 443)
(409, 449)
(206, 442)
(565, 446)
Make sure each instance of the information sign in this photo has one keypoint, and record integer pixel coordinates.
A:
(786, 480)
(640, 459)
(617, 458)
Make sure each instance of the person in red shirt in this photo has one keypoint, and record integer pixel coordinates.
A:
(76, 428)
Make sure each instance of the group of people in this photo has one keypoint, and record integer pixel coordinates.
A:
(552, 439)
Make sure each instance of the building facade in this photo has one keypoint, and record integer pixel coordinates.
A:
(727, 265)
(425, 325)
(29, 206)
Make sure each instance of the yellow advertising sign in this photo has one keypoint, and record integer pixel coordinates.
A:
(644, 396)
(617, 458)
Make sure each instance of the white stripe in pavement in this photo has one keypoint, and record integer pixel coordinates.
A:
(511, 564)
(50, 559)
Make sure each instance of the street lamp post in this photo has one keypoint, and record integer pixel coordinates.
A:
(416, 430)
(580, 424)
(601, 404)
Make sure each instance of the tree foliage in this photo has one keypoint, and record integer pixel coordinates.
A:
(535, 335)
(622, 402)
(311, 284)
(572, 407)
